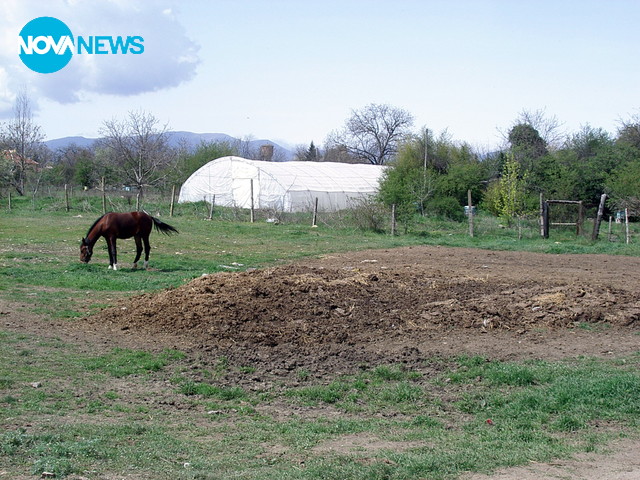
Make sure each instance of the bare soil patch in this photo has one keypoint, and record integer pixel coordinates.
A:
(334, 314)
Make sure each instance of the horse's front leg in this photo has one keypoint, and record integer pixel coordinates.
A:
(113, 255)
(138, 252)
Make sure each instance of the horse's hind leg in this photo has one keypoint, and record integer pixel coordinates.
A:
(113, 255)
(147, 249)
(138, 252)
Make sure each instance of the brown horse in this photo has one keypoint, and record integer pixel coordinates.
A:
(123, 225)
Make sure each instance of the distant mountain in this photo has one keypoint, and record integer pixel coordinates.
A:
(192, 140)
(64, 142)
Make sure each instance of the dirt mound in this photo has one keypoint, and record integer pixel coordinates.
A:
(370, 308)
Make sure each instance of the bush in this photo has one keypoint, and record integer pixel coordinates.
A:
(369, 215)
(447, 207)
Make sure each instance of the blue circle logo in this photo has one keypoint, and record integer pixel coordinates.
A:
(46, 45)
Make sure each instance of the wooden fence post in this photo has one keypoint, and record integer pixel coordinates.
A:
(596, 225)
(211, 204)
(173, 199)
(314, 223)
(470, 213)
(542, 216)
(252, 209)
(104, 197)
(66, 197)
(545, 219)
(626, 225)
(580, 218)
(393, 219)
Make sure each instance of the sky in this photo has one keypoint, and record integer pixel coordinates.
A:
(292, 71)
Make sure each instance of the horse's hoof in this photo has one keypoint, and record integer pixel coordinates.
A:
(135, 265)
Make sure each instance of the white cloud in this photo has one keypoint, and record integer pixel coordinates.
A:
(170, 57)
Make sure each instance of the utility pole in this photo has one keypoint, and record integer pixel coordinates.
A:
(426, 138)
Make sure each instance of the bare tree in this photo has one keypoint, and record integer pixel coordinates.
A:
(244, 148)
(373, 133)
(22, 142)
(138, 147)
(548, 127)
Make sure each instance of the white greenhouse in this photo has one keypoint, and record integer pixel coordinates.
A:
(282, 186)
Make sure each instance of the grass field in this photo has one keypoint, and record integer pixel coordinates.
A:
(130, 413)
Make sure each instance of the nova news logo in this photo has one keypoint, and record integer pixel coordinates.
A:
(47, 45)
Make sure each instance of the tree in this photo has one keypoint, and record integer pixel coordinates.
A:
(23, 139)
(623, 186)
(527, 145)
(465, 172)
(312, 153)
(190, 161)
(74, 165)
(548, 127)
(307, 154)
(373, 133)
(629, 131)
(6, 170)
(508, 196)
(407, 184)
(138, 148)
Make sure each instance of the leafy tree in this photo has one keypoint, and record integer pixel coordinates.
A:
(590, 142)
(629, 132)
(373, 133)
(552, 176)
(409, 182)
(509, 196)
(465, 172)
(527, 145)
(85, 171)
(590, 157)
(74, 165)
(623, 186)
(188, 162)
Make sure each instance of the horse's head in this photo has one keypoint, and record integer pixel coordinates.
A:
(86, 251)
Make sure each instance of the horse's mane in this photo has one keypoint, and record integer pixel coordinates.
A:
(92, 226)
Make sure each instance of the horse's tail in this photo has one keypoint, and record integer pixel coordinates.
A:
(163, 227)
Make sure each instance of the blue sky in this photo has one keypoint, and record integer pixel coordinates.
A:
(292, 71)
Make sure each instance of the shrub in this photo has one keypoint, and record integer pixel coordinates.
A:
(447, 207)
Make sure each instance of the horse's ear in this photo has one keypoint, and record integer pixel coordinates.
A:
(84, 241)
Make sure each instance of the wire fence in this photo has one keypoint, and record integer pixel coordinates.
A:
(365, 215)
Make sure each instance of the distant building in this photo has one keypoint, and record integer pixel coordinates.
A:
(266, 153)
(17, 159)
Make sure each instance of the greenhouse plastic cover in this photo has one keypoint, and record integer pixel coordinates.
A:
(282, 186)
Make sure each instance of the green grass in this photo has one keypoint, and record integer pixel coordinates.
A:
(97, 413)
(163, 415)
(123, 362)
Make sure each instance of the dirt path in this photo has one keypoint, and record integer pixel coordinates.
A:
(621, 462)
